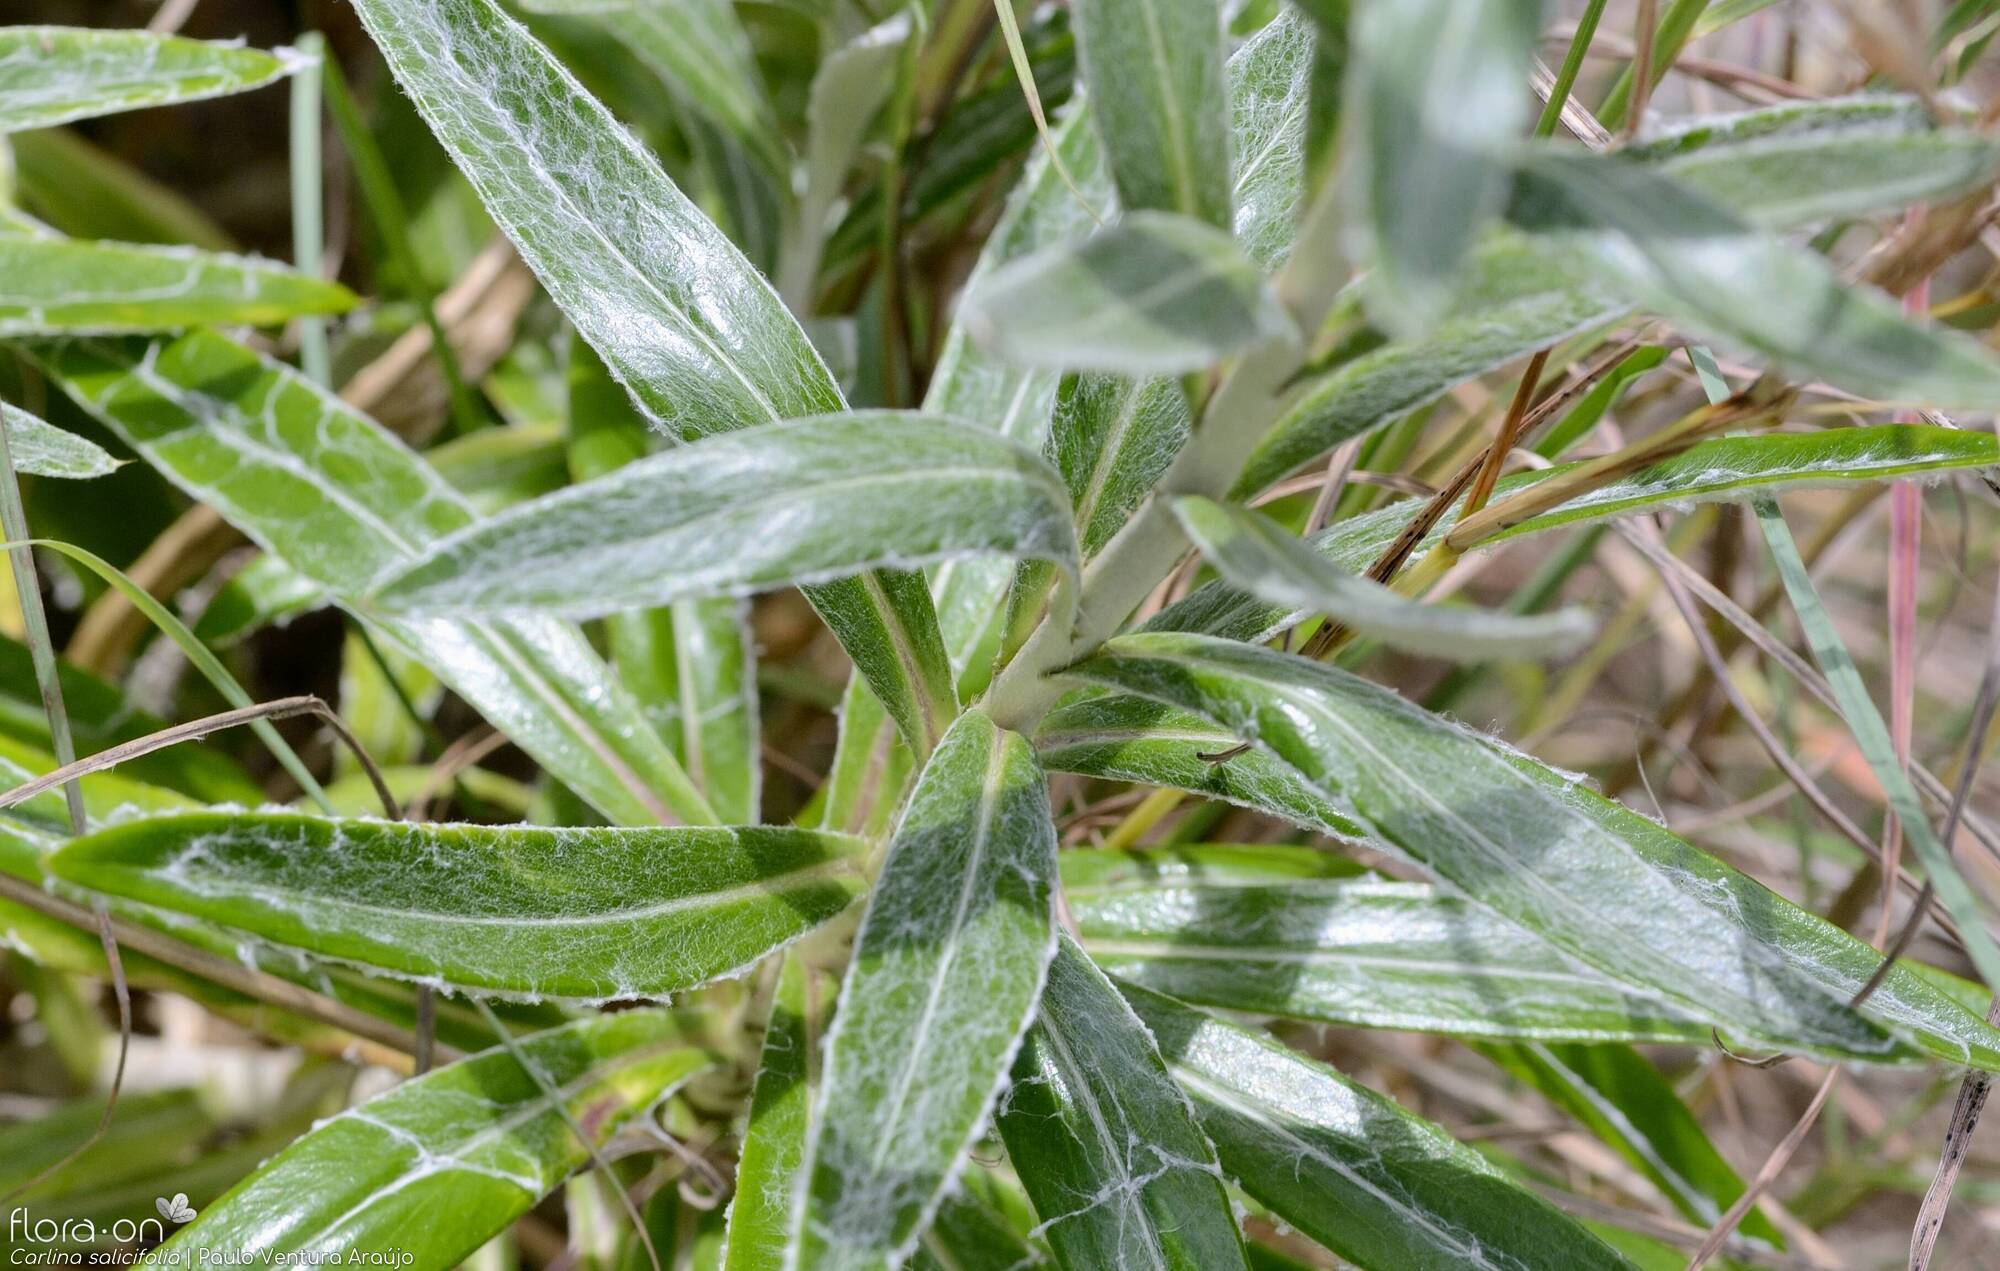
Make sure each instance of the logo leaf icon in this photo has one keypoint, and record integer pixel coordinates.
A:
(175, 1210)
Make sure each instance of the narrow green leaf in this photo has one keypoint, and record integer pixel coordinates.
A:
(678, 315)
(692, 665)
(1385, 1190)
(1436, 100)
(947, 967)
(1725, 468)
(970, 1233)
(51, 285)
(700, 48)
(1844, 157)
(439, 1164)
(1529, 843)
(1625, 1101)
(1257, 555)
(1864, 721)
(54, 74)
(802, 501)
(1105, 1143)
(1154, 72)
(573, 913)
(1675, 253)
(340, 499)
(1155, 294)
(774, 1141)
(1366, 952)
(40, 449)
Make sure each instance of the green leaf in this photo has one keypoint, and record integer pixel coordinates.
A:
(340, 499)
(767, 507)
(1367, 952)
(1153, 69)
(774, 1141)
(50, 285)
(1436, 101)
(1625, 1101)
(1270, 92)
(1256, 554)
(1675, 253)
(1598, 882)
(692, 665)
(573, 913)
(1383, 1189)
(1155, 294)
(39, 449)
(700, 48)
(1724, 468)
(1844, 157)
(947, 967)
(1871, 735)
(438, 1164)
(678, 315)
(53, 74)
(1104, 1142)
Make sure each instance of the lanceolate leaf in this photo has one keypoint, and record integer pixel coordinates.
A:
(1155, 294)
(1518, 294)
(1528, 843)
(947, 967)
(437, 1165)
(1623, 1099)
(1725, 468)
(1256, 554)
(38, 449)
(1112, 438)
(52, 74)
(1673, 252)
(576, 913)
(340, 499)
(1104, 1142)
(51, 285)
(787, 503)
(679, 316)
(1383, 1189)
(1436, 98)
(1361, 951)
(700, 47)
(774, 1141)
(1154, 72)
(1864, 721)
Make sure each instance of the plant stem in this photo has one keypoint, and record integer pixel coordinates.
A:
(1579, 48)
(41, 649)
(308, 200)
